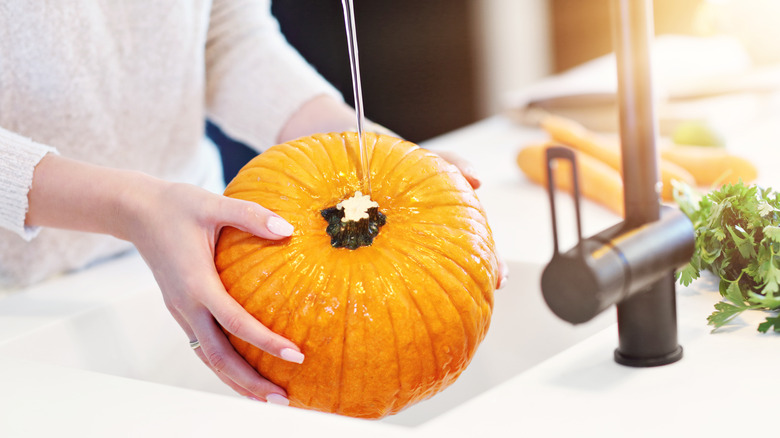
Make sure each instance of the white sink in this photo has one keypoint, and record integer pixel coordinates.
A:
(130, 334)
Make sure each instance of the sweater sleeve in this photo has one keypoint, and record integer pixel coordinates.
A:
(18, 158)
(255, 79)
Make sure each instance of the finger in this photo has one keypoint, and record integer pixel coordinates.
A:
(238, 322)
(253, 218)
(224, 378)
(503, 274)
(217, 352)
(198, 350)
(465, 167)
(277, 395)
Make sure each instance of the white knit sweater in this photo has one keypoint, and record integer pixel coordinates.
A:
(128, 84)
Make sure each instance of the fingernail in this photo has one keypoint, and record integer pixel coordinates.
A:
(279, 226)
(471, 172)
(502, 284)
(277, 399)
(291, 355)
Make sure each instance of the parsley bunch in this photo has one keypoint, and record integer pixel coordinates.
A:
(737, 232)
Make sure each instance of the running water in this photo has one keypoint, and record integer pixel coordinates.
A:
(349, 22)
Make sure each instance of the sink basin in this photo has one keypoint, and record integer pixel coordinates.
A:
(129, 333)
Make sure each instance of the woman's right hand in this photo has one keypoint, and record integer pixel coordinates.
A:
(175, 228)
(176, 236)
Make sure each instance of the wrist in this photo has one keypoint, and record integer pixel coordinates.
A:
(79, 196)
(135, 206)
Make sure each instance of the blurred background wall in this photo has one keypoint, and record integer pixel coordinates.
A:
(432, 66)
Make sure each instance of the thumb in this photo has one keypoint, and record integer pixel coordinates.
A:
(255, 219)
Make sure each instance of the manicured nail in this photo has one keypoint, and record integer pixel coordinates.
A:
(291, 355)
(277, 399)
(502, 284)
(279, 226)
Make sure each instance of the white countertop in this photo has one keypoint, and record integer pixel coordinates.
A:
(50, 383)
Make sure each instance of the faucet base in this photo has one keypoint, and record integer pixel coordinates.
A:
(645, 362)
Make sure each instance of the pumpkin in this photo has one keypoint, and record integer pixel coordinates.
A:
(388, 309)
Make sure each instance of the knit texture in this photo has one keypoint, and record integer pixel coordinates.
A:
(129, 84)
(20, 155)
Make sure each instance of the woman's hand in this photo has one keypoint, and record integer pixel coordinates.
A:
(175, 228)
(463, 165)
(176, 236)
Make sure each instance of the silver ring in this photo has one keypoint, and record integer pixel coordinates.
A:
(195, 344)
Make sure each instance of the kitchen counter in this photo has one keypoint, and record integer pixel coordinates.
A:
(54, 380)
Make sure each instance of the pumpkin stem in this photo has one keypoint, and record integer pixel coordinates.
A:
(353, 222)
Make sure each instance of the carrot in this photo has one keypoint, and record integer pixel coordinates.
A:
(607, 150)
(573, 134)
(598, 181)
(709, 165)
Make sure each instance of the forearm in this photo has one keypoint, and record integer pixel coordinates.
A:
(255, 79)
(325, 114)
(79, 196)
(320, 114)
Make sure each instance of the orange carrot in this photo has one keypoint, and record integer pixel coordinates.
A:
(607, 150)
(598, 181)
(711, 165)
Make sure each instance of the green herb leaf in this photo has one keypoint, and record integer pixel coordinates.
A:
(724, 312)
(772, 232)
(734, 294)
(769, 323)
(737, 236)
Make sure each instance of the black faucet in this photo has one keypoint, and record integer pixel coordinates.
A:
(631, 264)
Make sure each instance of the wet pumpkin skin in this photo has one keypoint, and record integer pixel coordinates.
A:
(383, 325)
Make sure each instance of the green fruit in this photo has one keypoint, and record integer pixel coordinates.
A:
(697, 133)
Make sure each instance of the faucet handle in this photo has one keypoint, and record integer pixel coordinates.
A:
(555, 153)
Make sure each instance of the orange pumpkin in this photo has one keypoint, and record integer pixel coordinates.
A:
(389, 311)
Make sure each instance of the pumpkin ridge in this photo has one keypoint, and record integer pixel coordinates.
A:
(250, 294)
(375, 288)
(339, 396)
(289, 264)
(222, 267)
(413, 185)
(475, 236)
(250, 272)
(304, 148)
(385, 154)
(324, 151)
(461, 247)
(270, 187)
(448, 270)
(421, 315)
(237, 238)
(349, 145)
(293, 305)
(272, 323)
(412, 393)
(408, 161)
(406, 394)
(431, 211)
(328, 275)
(432, 276)
(297, 183)
(388, 154)
(396, 347)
